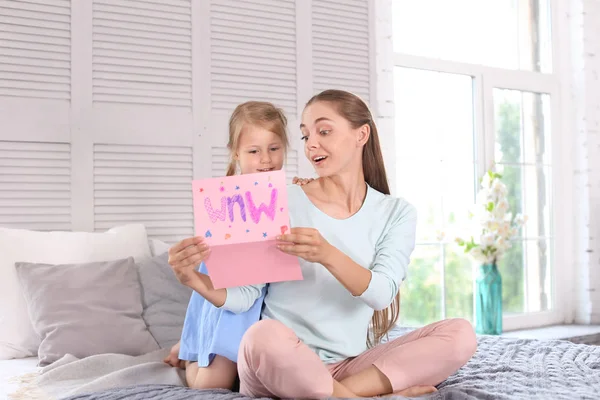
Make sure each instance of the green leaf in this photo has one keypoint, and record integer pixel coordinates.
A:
(470, 245)
(494, 175)
(490, 206)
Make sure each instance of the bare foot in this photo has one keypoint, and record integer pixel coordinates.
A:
(173, 358)
(415, 391)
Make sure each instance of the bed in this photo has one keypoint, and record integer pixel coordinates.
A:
(502, 368)
(13, 368)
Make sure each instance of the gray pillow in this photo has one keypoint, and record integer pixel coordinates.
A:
(85, 309)
(165, 300)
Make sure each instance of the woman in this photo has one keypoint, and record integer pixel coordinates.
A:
(354, 243)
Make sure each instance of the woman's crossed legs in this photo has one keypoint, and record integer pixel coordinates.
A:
(273, 362)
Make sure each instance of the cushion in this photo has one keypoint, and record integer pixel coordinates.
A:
(17, 337)
(158, 247)
(85, 309)
(165, 300)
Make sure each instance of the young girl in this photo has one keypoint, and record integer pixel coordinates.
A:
(211, 335)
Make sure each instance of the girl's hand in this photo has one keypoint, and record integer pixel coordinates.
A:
(301, 181)
(306, 243)
(185, 256)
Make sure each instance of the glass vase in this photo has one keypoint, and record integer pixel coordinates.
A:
(488, 300)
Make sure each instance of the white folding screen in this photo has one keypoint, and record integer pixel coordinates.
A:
(108, 108)
(149, 184)
(253, 53)
(340, 45)
(35, 185)
(35, 94)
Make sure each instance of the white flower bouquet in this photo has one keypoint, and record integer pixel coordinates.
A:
(495, 224)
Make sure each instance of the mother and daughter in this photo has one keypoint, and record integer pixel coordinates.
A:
(321, 336)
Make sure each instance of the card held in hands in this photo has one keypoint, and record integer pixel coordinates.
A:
(239, 217)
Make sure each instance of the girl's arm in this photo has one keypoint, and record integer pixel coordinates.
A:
(240, 299)
(376, 286)
(202, 284)
(236, 299)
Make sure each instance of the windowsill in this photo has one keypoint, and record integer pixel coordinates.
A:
(585, 334)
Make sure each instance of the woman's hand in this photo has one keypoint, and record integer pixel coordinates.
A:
(301, 181)
(185, 256)
(306, 243)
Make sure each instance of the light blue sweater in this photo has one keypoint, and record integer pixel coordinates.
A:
(324, 315)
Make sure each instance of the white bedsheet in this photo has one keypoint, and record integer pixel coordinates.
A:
(12, 368)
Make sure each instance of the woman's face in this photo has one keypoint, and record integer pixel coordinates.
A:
(330, 142)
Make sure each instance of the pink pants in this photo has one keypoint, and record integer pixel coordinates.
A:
(273, 362)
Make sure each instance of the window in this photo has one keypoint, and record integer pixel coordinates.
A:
(513, 34)
(475, 87)
(522, 139)
(434, 125)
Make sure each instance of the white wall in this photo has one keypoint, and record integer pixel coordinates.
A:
(108, 108)
(382, 104)
(584, 24)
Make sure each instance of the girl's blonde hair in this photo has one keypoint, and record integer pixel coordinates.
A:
(258, 113)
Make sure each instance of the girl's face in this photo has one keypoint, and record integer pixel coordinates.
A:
(330, 143)
(259, 150)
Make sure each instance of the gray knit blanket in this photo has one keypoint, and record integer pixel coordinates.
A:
(502, 368)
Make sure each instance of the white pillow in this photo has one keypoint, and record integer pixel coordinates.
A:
(17, 336)
(158, 247)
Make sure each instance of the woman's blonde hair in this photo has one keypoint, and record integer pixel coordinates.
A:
(258, 113)
(355, 111)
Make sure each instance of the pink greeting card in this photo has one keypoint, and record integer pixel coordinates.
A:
(239, 217)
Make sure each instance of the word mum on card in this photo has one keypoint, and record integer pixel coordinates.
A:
(241, 209)
(239, 217)
(228, 203)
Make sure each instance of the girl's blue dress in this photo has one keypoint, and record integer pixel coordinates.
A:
(209, 331)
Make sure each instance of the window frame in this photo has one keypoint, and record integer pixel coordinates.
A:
(557, 85)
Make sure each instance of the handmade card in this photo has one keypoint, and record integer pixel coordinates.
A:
(239, 217)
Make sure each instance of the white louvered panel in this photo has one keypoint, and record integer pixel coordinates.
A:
(142, 52)
(220, 161)
(35, 189)
(253, 53)
(341, 46)
(35, 49)
(145, 184)
(292, 165)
